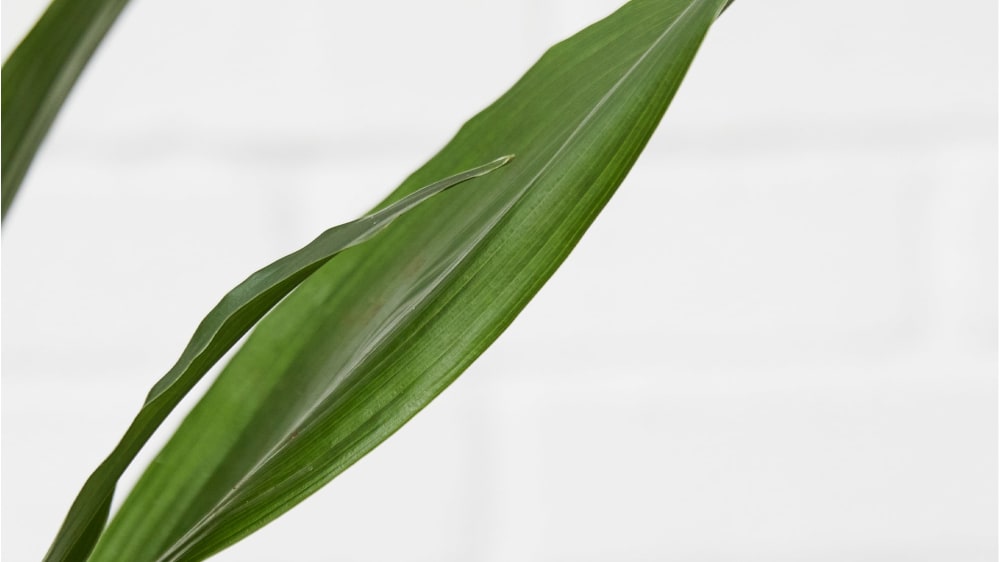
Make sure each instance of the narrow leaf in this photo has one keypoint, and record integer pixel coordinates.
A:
(236, 313)
(38, 76)
(372, 338)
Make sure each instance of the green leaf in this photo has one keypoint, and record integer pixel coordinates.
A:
(38, 76)
(372, 337)
(235, 314)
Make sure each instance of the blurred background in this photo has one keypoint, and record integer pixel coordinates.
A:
(778, 342)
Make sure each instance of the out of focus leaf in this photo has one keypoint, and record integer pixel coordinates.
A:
(38, 76)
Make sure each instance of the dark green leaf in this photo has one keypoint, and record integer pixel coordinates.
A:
(38, 76)
(236, 313)
(373, 337)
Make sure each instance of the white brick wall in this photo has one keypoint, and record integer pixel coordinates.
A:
(778, 342)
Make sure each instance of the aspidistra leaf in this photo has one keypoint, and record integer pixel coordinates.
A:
(370, 339)
(224, 325)
(38, 76)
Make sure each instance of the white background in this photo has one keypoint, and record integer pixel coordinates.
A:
(778, 342)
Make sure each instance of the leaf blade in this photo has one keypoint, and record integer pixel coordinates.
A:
(37, 79)
(224, 325)
(333, 372)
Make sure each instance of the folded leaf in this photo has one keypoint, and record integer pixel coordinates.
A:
(236, 313)
(371, 338)
(38, 76)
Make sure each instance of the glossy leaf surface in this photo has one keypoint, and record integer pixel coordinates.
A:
(372, 337)
(235, 314)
